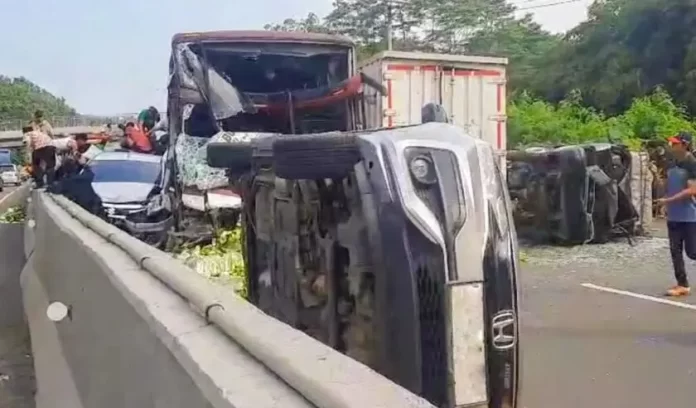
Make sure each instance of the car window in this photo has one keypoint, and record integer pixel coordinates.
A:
(5, 158)
(124, 171)
(5, 168)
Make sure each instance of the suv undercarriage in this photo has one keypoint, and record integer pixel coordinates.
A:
(387, 244)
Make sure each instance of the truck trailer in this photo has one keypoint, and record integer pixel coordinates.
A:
(471, 89)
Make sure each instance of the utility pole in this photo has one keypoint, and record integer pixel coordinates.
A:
(390, 24)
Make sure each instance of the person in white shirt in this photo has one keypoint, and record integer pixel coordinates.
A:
(70, 153)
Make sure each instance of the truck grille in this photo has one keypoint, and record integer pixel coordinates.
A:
(431, 315)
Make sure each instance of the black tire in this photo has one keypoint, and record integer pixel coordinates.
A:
(233, 156)
(314, 157)
(433, 112)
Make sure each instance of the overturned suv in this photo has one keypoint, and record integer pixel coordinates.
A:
(393, 246)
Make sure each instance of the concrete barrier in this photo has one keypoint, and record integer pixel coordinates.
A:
(146, 331)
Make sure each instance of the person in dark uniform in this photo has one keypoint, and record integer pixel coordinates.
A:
(680, 202)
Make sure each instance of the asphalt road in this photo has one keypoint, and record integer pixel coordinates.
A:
(587, 348)
(17, 385)
(6, 191)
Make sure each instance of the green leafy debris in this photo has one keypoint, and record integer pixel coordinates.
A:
(220, 261)
(14, 215)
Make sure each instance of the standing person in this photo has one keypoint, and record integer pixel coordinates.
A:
(42, 155)
(680, 202)
(41, 124)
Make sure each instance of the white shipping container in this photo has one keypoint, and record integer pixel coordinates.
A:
(470, 88)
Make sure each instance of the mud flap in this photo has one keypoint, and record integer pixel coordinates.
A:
(12, 262)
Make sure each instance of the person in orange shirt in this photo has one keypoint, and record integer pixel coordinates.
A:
(136, 139)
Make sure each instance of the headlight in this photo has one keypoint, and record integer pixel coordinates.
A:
(158, 203)
(423, 170)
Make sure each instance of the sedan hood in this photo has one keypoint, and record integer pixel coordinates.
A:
(120, 193)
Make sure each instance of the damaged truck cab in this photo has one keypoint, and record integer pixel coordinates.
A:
(394, 246)
(234, 85)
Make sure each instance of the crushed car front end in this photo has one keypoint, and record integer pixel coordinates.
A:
(144, 220)
(443, 237)
(131, 189)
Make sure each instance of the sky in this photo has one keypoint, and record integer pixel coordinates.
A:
(111, 56)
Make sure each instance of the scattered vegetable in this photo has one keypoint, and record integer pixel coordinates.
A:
(524, 257)
(221, 261)
(14, 215)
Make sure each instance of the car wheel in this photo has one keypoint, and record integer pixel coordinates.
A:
(233, 156)
(313, 157)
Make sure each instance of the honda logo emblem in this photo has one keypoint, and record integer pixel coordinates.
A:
(504, 330)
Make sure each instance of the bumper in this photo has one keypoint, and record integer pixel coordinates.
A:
(10, 179)
(132, 218)
(448, 254)
(137, 228)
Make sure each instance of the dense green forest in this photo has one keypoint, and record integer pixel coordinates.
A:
(19, 98)
(627, 73)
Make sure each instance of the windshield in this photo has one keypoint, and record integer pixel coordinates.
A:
(124, 171)
(5, 158)
(6, 168)
(267, 71)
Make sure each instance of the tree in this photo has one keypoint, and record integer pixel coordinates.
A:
(453, 23)
(623, 51)
(419, 25)
(310, 24)
(20, 98)
(486, 27)
(523, 41)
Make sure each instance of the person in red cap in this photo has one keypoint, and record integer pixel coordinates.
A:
(680, 200)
